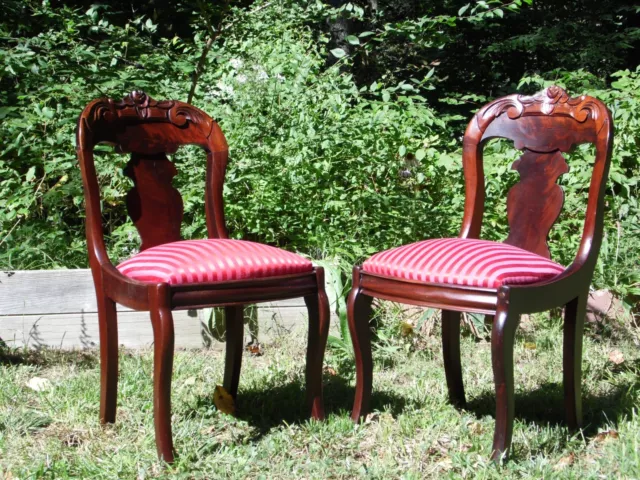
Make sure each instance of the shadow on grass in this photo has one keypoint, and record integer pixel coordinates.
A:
(271, 406)
(544, 406)
(47, 357)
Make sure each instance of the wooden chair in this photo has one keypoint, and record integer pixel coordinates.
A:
(172, 274)
(502, 280)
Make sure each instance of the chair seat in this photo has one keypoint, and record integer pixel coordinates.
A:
(211, 261)
(461, 261)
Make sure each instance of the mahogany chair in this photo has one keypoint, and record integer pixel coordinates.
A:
(500, 279)
(171, 274)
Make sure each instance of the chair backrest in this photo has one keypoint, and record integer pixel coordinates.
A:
(543, 126)
(149, 130)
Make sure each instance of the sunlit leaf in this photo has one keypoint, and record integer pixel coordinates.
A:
(223, 400)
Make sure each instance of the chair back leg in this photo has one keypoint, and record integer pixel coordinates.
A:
(451, 355)
(234, 331)
(319, 318)
(574, 315)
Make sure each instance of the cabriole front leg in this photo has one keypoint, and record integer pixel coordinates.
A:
(505, 323)
(234, 331)
(574, 315)
(163, 337)
(108, 325)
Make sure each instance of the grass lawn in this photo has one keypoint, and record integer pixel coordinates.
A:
(413, 432)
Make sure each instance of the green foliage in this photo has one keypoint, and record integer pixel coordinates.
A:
(339, 146)
(316, 161)
(488, 46)
(46, 80)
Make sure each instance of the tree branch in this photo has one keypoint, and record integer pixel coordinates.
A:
(213, 35)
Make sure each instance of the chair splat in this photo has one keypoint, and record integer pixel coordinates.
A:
(154, 205)
(535, 202)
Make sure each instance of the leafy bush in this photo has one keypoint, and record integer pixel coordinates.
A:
(46, 81)
(322, 162)
(316, 161)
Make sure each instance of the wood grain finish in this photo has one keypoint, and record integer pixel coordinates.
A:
(154, 205)
(451, 355)
(543, 126)
(234, 330)
(358, 316)
(149, 130)
(318, 307)
(535, 202)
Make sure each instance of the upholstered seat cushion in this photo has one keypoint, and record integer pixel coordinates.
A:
(459, 261)
(208, 261)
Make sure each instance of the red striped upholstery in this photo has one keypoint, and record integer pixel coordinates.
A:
(461, 261)
(200, 261)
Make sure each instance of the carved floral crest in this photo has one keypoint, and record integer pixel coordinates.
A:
(550, 101)
(139, 105)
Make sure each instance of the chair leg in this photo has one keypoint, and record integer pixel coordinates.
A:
(358, 315)
(451, 354)
(318, 308)
(234, 322)
(108, 325)
(163, 337)
(574, 315)
(502, 339)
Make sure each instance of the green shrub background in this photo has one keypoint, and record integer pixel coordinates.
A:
(344, 121)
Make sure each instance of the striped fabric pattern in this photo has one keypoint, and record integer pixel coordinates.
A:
(461, 261)
(211, 261)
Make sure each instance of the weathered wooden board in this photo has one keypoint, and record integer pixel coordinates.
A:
(57, 308)
(81, 330)
(35, 292)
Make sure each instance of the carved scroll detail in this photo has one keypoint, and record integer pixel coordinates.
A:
(139, 106)
(153, 204)
(550, 101)
(535, 202)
